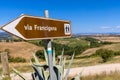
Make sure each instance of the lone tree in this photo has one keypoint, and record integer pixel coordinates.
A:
(105, 54)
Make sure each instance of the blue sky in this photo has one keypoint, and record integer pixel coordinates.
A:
(87, 16)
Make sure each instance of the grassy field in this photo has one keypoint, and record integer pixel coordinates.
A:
(79, 61)
(90, 61)
(26, 67)
(22, 67)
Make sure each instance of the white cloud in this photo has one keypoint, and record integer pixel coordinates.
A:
(117, 27)
(110, 28)
(105, 27)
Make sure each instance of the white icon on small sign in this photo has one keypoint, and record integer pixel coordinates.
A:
(67, 29)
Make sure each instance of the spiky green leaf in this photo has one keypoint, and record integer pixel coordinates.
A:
(19, 74)
(54, 60)
(46, 56)
(61, 58)
(68, 70)
(36, 59)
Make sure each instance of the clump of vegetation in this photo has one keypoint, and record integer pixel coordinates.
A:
(78, 47)
(70, 45)
(40, 54)
(68, 49)
(117, 53)
(32, 59)
(16, 59)
(105, 54)
(95, 42)
(35, 42)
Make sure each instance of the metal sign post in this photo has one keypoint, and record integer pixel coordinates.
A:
(49, 50)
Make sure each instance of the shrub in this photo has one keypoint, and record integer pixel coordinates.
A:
(105, 54)
(117, 53)
(58, 47)
(105, 42)
(95, 42)
(16, 59)
(7, 50)
(32, 59)
(19, 59)
(40, 54)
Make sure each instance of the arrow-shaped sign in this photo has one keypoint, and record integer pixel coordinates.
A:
(31, 28)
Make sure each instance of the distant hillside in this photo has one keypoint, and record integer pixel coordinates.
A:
(4, 35)
(114, 47)
(20, 49)
(108, 38)
(113, 34)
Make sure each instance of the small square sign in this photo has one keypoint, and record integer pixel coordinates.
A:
(67, 29)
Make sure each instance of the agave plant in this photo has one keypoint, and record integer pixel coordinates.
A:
(41, 71)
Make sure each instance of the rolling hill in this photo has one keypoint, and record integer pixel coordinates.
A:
(20, 49)
(114, 47)
(4, 35)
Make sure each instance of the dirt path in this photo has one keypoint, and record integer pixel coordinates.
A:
(97, 69)
(90, 70)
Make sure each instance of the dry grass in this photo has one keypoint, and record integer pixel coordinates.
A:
(84, 62)
(91, 61)
(20, 49)
(112, 76)
(90, 51)
(114, 47)
(22, 67)
(108, 38)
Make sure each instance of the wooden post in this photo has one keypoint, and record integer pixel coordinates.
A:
(4, 61)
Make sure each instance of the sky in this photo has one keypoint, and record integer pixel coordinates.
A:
(86, 16)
